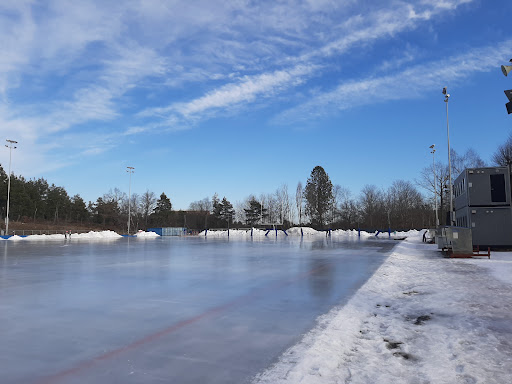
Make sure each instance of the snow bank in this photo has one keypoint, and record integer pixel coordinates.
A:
(80, 236)
(306, 231)
(96, 235)
(15, 238)
(420, 318)
(241, 233)
(56, 236)
(142, 234)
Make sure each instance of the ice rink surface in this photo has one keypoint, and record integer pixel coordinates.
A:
(173, 310)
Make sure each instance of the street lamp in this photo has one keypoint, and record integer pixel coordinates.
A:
(11, 147)
(130, 170)
(433, 151)
(446, 97)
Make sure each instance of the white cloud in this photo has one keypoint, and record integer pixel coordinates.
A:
(248, 89)
(410, 82)
(357, 30)
(89, 57)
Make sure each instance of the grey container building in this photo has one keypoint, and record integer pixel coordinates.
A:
(482, 202)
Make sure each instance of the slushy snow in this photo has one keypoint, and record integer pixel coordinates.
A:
(420, 318)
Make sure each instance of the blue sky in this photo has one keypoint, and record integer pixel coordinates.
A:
(240, 97)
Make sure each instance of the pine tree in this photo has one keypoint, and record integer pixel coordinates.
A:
(318, 195)
(163, 210)
(226, 210)
(255, 212)
(163, 205)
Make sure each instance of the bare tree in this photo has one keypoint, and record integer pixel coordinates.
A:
(470, 159)
(204, 205)
(403, 202)
(348, 209)
(372, 205)
(503, 154)
(438, 188)
(240, 211)
(283, 204)
(148, 204)
(273, 209)
(336, 196)
(136, 210)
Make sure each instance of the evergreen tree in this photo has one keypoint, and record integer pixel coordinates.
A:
(163, 205)
(58, 204)
(319, 196)
(216, 206)
(78, 209)
(255, 212)
(226, 211)
(106, 212)
(163, 210)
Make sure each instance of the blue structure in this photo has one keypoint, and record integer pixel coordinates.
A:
(169, 231)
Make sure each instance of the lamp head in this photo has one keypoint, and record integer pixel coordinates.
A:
(506, 69)
(444, 91)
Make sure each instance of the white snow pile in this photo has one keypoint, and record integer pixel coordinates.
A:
(15, 238)
(235, 233)
(306, 231)
(146, 235)
(420, 318)
(92, 235)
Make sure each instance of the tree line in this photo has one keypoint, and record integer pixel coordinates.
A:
(319, 203)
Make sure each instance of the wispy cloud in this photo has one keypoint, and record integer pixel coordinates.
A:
(246, 90)
(297, 69)
(408, 83)
(168, 64)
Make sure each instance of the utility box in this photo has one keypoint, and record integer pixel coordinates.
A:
(457, 239)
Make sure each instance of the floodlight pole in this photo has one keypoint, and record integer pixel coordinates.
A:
(446, 98)
(11, 147)
(130, 170)
(432, 147)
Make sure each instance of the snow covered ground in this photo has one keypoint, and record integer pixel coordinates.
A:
(421, 318)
